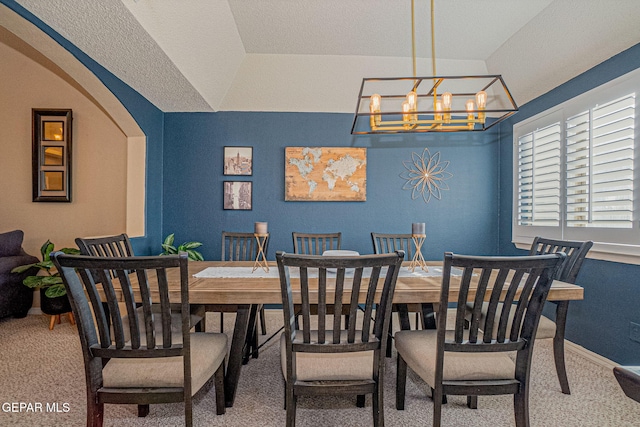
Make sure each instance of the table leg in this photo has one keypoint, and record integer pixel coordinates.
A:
(235, 353)
(250, 344)
(403, 316)
(428, 316)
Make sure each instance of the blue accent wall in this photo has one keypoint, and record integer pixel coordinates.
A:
(148, 117)
(600, 322)
(184, 189)
(465, 220)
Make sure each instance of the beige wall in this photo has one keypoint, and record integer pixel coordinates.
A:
(99, 175)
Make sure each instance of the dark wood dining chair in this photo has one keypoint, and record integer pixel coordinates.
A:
(576, 252)
(120, 246)
(474, 358)
(108, 246)
(384, 243)
(316, 243)
(321, 357)
(148, 355)
(239, 246)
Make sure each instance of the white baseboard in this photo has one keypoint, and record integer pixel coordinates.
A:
(34, 310)
(589, 355)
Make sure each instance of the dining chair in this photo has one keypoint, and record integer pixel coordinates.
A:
(238, 246)
(473, 358)
(152, 359)
(384, 243)
(318, 355)
(316, 243)
(576, 252)
(109, 246)
(120, 246)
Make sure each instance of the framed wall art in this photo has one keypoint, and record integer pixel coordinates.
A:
(237, 195)
(238, 160)
(51, 155)
(325, 174)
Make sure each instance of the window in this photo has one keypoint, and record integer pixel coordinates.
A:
(576, 172)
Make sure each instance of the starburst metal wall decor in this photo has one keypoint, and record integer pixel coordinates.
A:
(425, 175)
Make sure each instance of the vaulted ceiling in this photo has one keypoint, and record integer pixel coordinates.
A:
(311, 55)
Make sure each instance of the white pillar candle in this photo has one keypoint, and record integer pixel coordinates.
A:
(418, 228)
(260, 228)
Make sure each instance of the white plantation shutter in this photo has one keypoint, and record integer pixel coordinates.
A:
(578, 166)
(525, 179)
(600, 156)
(613, 156)
(576, 175)
(539, 177)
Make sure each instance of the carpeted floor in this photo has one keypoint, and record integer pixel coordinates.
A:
(45, 367)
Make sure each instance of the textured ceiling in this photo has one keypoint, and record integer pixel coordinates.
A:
(310, 55)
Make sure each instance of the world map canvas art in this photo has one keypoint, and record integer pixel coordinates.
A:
(325, 174)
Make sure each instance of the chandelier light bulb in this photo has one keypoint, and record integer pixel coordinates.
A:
(481, 99)
(374, 107)
(470, 109)
(470, 106)
(412, 99)
(437, 106)
(406, 110)
(447, 98)
(374, 103)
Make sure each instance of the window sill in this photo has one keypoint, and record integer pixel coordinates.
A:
(626, 254)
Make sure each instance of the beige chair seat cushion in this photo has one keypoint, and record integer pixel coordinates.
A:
(546, 326)
(208, 351)
(328, 366)
(418, 349)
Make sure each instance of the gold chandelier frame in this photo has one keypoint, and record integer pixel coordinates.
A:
(388, 105)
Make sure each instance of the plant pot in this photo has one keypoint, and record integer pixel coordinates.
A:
(54, 306)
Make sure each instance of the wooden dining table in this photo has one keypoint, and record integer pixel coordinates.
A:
(243, 292)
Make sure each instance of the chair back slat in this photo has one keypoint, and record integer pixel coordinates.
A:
(337, 302)
(155, 338)
(344, 277)
(519, 284)
(384, 243)
(238, 246)
(316, 243)
(356, 286)
(576, 252)
(102, 320)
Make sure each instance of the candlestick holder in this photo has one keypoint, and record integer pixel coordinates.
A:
(418, 260)
(261, 258)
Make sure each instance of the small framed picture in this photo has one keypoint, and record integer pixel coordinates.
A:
(238, 160)
(237, 195)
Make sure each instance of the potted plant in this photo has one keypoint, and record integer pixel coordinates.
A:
(53, 295)
(188, 247)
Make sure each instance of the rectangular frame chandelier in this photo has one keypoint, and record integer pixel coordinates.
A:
(389, 105)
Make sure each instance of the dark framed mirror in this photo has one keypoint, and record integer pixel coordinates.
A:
(51, 163)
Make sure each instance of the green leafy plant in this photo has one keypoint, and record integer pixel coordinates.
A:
(188, 247)
(49, 278)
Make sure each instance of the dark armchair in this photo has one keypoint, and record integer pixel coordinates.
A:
(15, 298)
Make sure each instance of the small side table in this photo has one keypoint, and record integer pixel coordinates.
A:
(261, 258)
(418, 260)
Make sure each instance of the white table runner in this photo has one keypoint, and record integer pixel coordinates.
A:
(247, 272)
